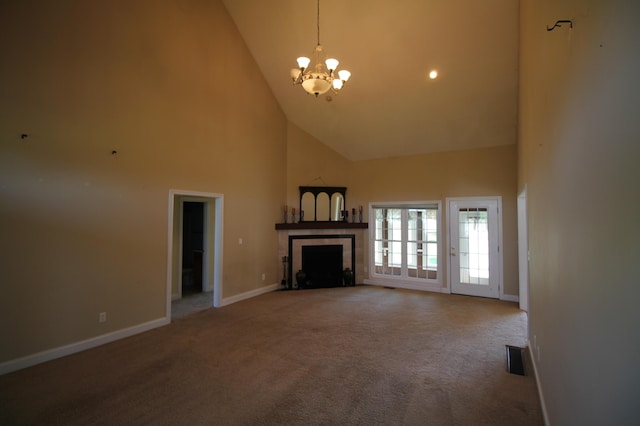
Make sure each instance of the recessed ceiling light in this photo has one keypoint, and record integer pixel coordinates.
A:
(433, 74)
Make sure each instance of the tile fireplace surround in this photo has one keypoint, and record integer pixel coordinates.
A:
(352, 236)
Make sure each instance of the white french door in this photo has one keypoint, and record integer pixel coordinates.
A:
(475, 264)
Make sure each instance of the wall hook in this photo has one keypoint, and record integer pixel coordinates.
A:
(557, 24)
(24, 136)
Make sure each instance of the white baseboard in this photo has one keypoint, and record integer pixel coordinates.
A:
(543, 406)
(51, 354)
(510, 298)
(407, 285)
(249, 294)
(427, 287)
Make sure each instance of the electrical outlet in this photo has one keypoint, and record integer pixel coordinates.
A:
(102, 317)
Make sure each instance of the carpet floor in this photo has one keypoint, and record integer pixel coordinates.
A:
(350, 356)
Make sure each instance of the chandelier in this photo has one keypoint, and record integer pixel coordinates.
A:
(318, 79)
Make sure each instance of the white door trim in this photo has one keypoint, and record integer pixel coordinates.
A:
(499, 260)
(217, 200)
(523, 251)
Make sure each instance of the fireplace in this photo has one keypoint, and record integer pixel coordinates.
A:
(293, 237)
(322, 258)
(322, 265)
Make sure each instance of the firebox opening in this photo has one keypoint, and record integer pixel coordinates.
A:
(322, 265)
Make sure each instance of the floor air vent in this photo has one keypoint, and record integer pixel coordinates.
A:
(515, 360)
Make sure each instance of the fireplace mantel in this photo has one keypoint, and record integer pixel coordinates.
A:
(320, 225)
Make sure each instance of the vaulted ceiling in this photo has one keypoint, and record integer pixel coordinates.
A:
(390, 107)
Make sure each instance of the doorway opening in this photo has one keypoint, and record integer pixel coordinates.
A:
(194, 262)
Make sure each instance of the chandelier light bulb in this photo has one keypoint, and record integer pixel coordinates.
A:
(337, 84)
(344, 75)
(332, 64)
(303, 62)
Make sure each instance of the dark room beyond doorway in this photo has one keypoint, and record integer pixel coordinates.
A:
(192, 247)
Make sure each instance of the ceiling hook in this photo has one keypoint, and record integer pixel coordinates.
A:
(557, 24)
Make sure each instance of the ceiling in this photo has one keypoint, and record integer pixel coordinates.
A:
(389, 107)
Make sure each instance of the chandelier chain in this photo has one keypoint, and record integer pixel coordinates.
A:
(318, 22)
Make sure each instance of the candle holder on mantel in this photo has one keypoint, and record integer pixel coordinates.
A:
(286, 214)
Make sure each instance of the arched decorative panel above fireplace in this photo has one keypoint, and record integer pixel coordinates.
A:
(323, 203)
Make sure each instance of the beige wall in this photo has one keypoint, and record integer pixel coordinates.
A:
(172, 88)
(435, 177)
(473, 173)
(312, 163)
(578, 153)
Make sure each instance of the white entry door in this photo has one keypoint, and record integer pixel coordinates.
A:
(474, 246)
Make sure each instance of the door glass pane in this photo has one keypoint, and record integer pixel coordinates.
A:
(473, 246)
(422, 256)
(388, 241)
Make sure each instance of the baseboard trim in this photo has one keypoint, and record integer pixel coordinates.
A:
(543, 406)
(407, 286)
(510, 298)
(249, 294)
(51, 354)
